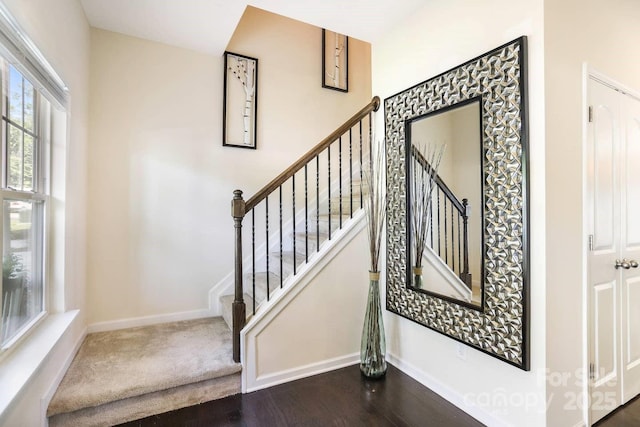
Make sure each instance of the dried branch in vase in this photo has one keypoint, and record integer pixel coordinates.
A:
(375, 202)
(421, 189)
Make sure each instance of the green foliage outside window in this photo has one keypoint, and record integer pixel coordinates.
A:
(20, 141)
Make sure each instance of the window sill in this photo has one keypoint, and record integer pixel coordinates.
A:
(20, 364)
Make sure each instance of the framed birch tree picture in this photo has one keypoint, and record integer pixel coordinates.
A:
(239, 113)
(335, 61)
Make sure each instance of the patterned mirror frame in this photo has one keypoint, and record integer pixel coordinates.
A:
(501, 327)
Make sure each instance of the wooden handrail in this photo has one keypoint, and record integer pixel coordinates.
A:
(299, 164)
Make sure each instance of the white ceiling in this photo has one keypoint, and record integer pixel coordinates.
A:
(207, 25)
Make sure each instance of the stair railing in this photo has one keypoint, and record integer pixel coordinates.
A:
(449, 234)
(352, 140)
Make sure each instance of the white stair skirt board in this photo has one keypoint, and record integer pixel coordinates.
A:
(289, 375)
(281, 299)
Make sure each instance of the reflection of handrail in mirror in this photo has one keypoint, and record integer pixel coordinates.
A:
(463, 209)
(445, 189)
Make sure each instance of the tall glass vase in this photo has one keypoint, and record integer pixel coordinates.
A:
(417, 276)
(372, 345)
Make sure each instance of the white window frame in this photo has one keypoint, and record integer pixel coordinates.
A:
(17, 48)
(41, 168)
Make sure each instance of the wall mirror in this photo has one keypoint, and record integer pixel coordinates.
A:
(446, 258)
(479, 110)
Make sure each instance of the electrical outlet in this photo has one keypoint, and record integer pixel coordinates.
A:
(461, 351)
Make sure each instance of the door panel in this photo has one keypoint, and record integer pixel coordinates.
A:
(605, 132)
(604, 311)
(603, 197)
(632, 179)
(613, 197)
(632, 319)
(630, 245)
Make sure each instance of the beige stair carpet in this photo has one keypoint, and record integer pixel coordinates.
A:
(133, 408)
(116, 365)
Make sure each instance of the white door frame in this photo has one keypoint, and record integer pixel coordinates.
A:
(588, 72)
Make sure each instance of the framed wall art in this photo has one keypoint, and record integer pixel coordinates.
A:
(240, 109)
(335, 61)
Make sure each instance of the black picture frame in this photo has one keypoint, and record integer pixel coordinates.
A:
(335, 56)
(240, 101)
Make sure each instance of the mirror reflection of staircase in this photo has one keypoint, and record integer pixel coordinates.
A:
(447, 249)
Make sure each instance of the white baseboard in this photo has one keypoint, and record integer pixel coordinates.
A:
(148, 320)
(316, 368)
(46, 399)
(445, 392)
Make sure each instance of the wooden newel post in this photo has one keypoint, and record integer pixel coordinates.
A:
(465, 276)
(239, 308)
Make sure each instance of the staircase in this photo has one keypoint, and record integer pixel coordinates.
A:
(310, 200)
(309, 246)
(124, 375)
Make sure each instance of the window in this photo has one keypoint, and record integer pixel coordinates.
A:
(33, 104)
(25, 119)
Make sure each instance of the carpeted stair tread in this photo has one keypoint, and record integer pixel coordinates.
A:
(121, 364)
(310, 240)
(261, 285)
(287, 258)
(134, 408)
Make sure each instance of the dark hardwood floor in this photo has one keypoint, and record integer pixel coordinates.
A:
(337, 398)
(625, 416)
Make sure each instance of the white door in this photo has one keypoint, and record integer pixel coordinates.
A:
(613, 189)
(630, 247)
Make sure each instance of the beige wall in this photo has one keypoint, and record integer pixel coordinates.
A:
(60, 30)
(160, 182)
(442, 35)
(605, 36)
